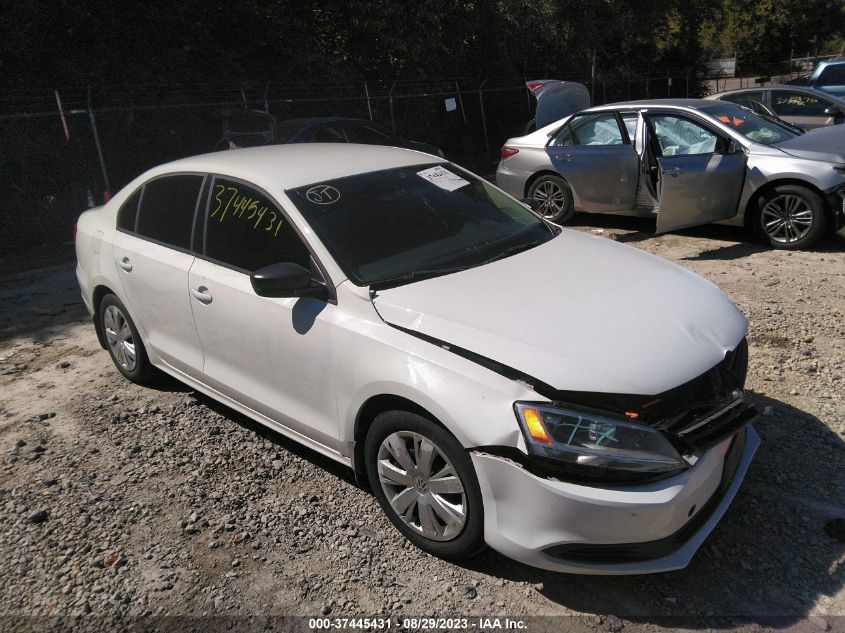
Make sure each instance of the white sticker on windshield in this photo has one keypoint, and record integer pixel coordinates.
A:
(443, 178)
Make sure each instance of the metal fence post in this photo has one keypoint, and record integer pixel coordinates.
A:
(93, 121)
(461, 101)
(484, 120)
(392, 117)
(369, 105)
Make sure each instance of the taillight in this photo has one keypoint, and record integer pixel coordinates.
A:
(507, 152)
(533, 86)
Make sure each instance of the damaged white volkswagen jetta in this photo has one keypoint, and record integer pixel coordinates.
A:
(574, 403)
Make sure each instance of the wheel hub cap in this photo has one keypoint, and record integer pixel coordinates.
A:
(787, 218)
(119, 337)
(422, 486)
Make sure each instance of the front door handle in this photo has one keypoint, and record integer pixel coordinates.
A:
(201, 294)
(125, 264)
(675, 171)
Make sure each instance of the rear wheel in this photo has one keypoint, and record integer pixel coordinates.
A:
(791, 217)
(425, 483)
(124, 343)
(554, 196)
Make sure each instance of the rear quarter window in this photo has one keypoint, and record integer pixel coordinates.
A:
(128, 212)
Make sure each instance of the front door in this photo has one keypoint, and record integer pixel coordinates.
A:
(152, 250)
(700, 181)
(272, 355)
(597, 160)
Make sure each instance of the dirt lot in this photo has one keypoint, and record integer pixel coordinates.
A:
(119, 501)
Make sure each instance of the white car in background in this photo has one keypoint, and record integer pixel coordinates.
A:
(573, 402)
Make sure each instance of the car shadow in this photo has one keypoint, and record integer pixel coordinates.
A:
(639, 229)
(329, 465)
(775, 529)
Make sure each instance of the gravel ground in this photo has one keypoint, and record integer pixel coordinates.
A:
(119, 501)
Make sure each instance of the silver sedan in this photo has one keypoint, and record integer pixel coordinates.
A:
(686, 162)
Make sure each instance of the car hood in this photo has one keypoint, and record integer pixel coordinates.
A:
(826, 143)
(580, 313)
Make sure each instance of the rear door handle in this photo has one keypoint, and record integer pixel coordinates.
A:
(676, 171)
(567, 158)
(201, 294)
(125, 264)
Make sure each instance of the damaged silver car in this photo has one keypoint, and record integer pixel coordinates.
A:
(686, 162)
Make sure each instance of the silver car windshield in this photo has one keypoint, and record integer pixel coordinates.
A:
(751, 125)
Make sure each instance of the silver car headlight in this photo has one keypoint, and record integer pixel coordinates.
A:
(585, 439)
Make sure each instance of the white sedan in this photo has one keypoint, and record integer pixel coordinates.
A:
(572, 402)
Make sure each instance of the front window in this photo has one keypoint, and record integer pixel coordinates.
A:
(590, 129)
(397, 225)
(753, 126)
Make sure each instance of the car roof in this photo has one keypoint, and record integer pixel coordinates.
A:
(299, 164)
(652, 103)
(790, 87)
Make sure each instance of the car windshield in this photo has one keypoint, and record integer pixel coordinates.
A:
(753, 126)
(393, 226)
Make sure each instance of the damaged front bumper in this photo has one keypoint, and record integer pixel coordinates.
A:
(639, 529)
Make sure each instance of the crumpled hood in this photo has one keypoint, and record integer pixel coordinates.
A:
(580, 313)
(824, 143)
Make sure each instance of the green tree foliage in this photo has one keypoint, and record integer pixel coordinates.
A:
(77, 42)
(763, 33)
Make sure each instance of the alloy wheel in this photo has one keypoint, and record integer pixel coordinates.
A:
(119, 337)
(551, 197)
(787, 218)
(422, 486)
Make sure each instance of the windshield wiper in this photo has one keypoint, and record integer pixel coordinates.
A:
(419, 275)
(416, 275)
(513, 250)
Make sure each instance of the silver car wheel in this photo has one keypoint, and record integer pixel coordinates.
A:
(422, 486)
(119, 337)
(787, 218)
(551, 197)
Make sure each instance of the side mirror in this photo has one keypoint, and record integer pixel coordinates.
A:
(286, 280)
(733, 148)
(532, 204)
(833, 111)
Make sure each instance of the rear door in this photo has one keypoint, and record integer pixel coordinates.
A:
(700, 181)
(153, 255)
(596, 158)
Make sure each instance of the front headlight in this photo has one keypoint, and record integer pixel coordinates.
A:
(592, 440)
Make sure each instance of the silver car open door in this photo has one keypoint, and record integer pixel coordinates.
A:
(701, 173)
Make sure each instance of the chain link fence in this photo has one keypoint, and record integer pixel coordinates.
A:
(67, 149)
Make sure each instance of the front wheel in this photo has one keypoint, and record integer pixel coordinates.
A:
(791, 217)
(425, 483)
(555, 198)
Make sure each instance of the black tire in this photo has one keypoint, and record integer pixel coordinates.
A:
(470, 539)
(555, 198)
(141, 370)
(783, 214)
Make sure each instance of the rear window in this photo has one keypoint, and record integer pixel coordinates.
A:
(167, 209)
